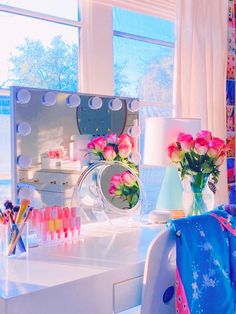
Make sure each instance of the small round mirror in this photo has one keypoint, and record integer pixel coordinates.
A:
(119, 188)
(111, 186)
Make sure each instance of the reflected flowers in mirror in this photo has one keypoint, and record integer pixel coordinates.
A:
(125, 187)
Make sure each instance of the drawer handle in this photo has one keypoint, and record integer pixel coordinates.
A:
(65, 183)
(53, 182)
(36, 180)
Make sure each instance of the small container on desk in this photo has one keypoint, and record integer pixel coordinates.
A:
(14, 239)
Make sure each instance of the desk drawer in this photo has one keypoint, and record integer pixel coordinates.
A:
(127, 294)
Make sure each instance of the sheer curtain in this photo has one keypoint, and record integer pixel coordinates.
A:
(200, 73)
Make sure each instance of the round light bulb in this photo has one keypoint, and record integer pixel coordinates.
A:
(73, 101)
(49, 99)
(115, 104)
(134, 157)
(134, 131)
(23, 96)
(134, 105)
(95, 103)
(23, 128)
(25, 192)
(24, 161)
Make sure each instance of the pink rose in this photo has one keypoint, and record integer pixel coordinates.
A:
(215, 147)
(112, 190)
(128, 178)
(126, 139)
(99, 143)
(220, 159)
(175, 153)
(124, 150)
(186, 141)
(201, 146)
(90, 145)
(205, 134)
(112, 138)
(109, 153)
(116, 180)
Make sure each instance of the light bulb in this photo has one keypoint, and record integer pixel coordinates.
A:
(25, 192)
(134, 157)
(134, 131)
(134, 105)
(23, 128)
(24, 161)
(49, 99)
(23, 96)
(73, 101)
(115, 104)
(95, 103)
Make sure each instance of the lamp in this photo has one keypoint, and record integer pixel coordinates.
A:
(159, 133)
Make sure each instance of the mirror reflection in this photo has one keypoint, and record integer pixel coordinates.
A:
(51, 130)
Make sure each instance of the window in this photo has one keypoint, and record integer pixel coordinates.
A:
(37, 50)
(143, 68)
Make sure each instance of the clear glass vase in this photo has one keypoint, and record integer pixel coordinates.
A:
(197, 196)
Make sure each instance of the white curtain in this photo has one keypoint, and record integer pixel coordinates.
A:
(200, 73)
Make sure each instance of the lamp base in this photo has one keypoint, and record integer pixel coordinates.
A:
(159, 216)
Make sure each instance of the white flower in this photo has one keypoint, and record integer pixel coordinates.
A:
(216, 262)
(194, 285)
(208, 282)
(195, 295)
(195, 275)
(207, 246)
(202, 233)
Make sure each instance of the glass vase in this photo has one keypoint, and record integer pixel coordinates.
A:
(197, 196)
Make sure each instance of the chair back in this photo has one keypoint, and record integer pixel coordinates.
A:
(159, 275)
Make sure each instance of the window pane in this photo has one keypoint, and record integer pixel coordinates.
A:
(143, 25)
(143, 70)
(61, 8)
(47, 58)
(35, 53)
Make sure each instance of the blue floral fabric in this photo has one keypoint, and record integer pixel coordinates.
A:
(206, 260)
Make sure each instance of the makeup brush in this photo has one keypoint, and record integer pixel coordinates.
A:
(24, 203)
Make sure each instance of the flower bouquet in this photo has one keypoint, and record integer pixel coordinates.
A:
(119, 149)
(113, 148)
(125, 186)
(198, 159)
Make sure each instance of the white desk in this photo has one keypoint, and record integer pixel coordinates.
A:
(96, 274)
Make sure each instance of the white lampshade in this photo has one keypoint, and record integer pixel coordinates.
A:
(160, 132)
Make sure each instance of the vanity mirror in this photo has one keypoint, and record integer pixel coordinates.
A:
(107, 190)
(50, 132)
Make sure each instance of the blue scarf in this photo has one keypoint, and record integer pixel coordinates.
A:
(206, 263)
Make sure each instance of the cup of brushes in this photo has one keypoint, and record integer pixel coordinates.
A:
(14, 228)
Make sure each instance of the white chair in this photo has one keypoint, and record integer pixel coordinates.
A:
(159, 277)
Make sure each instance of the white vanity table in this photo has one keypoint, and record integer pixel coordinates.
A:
(99, 273)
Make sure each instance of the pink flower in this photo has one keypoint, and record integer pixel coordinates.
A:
(126, 139)
(128, 178)
(186, 141)
(215, 147)
(109, 153)
(201, 146)
(220, 159)
(99, 143)
(116, 180)
(175, 153)
(90, 145)
(205, 134)
(112, 190)
(124, 150)
(112, 138)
